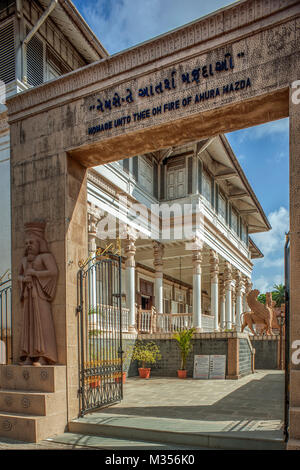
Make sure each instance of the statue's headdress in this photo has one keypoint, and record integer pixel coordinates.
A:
(37, 229)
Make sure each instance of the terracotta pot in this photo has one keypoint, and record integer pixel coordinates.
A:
(181, 374)
(118, 379)
(144, 372)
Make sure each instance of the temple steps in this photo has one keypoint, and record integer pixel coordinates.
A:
(33, 402)
(177, 432)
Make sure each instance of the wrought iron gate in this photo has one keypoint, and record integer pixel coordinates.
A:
(5, 323)
(100, 321)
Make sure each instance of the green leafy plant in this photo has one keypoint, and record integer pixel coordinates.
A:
(146, 352)
(278, 294)
(184, 342)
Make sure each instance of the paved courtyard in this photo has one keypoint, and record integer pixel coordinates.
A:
(252, 406)
(255, 402)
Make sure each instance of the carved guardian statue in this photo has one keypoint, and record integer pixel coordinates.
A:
(37, 279)
(259, 314)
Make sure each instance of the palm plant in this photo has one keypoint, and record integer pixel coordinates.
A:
(278, 294)
(184, 339)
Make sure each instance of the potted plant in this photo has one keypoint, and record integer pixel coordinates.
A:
(184, 339)
(125, 358)
(145, 352)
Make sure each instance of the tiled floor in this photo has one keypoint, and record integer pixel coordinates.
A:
(252, 406)
(256, 398)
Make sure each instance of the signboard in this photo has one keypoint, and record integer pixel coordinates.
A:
(209, 367)
(217, 367)
(201, 367)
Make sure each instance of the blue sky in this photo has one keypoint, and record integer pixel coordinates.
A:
(263, 151)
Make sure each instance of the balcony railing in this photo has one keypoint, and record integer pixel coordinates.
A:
(147, 321)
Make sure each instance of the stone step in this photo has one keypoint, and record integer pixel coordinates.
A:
(31, 378)
(30, 428)
(31, 403)
(174, 432)
(111, 443)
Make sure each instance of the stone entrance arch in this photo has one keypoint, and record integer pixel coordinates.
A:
(230, 70)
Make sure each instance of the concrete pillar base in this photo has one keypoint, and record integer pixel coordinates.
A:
(33, 402)
(198, 330)
(131, 329)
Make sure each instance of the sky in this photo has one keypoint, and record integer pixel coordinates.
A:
(263, 151)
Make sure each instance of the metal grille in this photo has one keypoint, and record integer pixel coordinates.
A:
(5, 323)
(7, 53)
(100, 333)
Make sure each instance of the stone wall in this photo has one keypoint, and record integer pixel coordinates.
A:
(266, 352)
(244, 358)
(203, 343)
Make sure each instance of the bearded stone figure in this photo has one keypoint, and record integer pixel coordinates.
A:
(37, 278)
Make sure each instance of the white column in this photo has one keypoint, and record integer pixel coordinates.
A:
(222, 306)
(197, 273)
(130, 281)
(233, 302)
(93, 219)
(228, 297)
(214, 291)
(239, 299)
(158, 264)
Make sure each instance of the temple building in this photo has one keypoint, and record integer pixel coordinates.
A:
(170, 278)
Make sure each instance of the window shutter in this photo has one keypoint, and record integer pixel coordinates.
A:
(135, 169)
(35, 61)
(212, 193)
(190, 175)
(126, 165)
(155, 182)
(7, 53)
(162, 181)
(199, 176)
(217, 198)
(229, 215)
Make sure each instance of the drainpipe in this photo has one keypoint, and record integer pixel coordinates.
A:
(32, 33)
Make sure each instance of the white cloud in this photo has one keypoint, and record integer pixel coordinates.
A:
(273, 129)
(274, 240)
(269, 270)
(123, 23)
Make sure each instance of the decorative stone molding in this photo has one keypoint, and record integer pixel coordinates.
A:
(158, 249)
(228, 275)
(214, 266)
(213, 26)
(197, 258)
(239, 282)
(130, 248)
(94, 216)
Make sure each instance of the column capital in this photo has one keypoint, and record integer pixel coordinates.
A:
(248, 285)
(158, 249)
(214, 265)
(197, 257)
(130, 250)
(94, 216)
(239, 282)
(228, 276)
